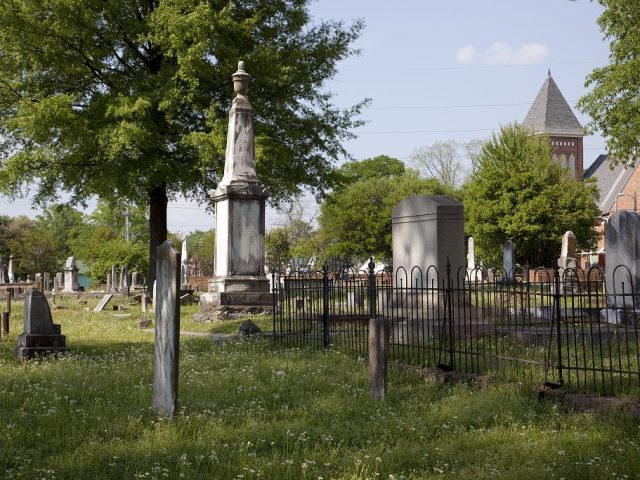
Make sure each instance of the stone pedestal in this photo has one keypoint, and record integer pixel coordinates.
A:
(41, 336)
(239, 285)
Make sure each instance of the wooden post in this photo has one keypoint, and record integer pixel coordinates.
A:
(5, 323)
(378, 357)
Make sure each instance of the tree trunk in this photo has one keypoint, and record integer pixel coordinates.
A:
(157, 227)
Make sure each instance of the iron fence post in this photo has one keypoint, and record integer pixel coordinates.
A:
(325, 307)
(372, 290)
(448, 306)
(556, 309)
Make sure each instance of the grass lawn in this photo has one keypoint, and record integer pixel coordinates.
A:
(249, 409)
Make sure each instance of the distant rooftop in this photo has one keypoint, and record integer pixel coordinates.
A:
(551, 114)
(610, 182)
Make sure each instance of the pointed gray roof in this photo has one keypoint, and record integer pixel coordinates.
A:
(551, 114)
(611, 181)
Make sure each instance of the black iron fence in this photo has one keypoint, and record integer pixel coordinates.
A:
(544, 326)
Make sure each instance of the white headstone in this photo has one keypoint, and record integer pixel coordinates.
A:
(11, 276)
(185, 264)
(71, 275)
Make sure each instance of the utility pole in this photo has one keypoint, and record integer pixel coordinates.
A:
(126, 225)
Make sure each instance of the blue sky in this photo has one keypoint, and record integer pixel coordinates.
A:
(438, 70)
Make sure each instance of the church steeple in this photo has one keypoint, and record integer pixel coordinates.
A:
(551, 115)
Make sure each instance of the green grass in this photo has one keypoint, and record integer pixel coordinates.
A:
(250, 409)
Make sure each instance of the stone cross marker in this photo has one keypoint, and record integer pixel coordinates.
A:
(167, 337)
(41, 336)
(507, 260)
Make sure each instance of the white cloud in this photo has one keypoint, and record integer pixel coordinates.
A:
(500, 53)
(466, 54)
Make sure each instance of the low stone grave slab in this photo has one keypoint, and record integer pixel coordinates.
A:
(103, 303)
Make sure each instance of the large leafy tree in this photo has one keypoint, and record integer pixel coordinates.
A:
(516, 192)
(355, 220)
(613, 102)
(128, 98)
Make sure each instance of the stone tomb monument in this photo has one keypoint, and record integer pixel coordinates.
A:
(41, 336)
(167, 335)
(428, 231)
(71, 275)
(239, 285)
(622, 246)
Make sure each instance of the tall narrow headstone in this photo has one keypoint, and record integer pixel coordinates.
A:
(109, 283)
(11, 277)
(46, 281)
(38, 282)
(41, 336)
(3, 278)
(508, 264)
(59, 283)
(114, 277)
(622, 275)
(568, 251)
(124, 281)
(71, 275)
(185, 264)
(167, 333)
(471, 254)
(239, 279)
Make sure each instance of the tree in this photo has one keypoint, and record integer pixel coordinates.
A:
(356, 220)
(613, 103)
(444, 161)
(518, 193)
(128, 99)
(381, 166)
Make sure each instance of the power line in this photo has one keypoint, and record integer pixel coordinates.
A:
(468, 67)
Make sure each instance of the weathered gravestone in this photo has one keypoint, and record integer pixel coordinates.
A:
(103, 303)
(3, 277)
(124, 281)
(38, 282)
(508, 264)
(58, 283)
(46, 281)
(622, 275)
(41, 336)
(135, 277)
(114, 276)
(167, 337)
(184, 281)
(71, 275)
(109, 283)
(475, 274)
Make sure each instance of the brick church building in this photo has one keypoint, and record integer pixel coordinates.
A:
(551, 115)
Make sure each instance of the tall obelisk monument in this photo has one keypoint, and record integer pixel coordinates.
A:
(239, 278)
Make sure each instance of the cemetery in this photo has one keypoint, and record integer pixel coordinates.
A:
(418, 325)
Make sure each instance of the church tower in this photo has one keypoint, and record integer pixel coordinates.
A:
(551, 115)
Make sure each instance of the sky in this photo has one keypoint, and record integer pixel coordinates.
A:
(440, 70)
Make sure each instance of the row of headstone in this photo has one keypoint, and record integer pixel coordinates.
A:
(126, 281)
